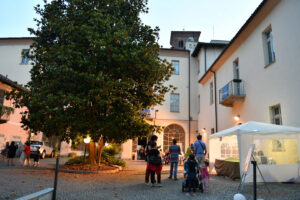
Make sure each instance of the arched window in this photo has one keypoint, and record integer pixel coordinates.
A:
(171, 132)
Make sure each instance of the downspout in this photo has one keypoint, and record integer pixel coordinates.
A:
(216, 107)
(189, 97)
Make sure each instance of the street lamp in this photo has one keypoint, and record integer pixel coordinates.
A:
(86, 141)
(154, 118)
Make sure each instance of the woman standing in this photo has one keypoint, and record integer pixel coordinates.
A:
(27, 153)
(11, 153)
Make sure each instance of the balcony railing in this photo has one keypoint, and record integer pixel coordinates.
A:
(232, 92)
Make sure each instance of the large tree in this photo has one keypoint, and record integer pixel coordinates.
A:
(96, 67)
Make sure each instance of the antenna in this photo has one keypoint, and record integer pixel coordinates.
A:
(213, 32)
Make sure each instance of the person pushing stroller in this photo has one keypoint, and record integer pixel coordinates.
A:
(192, 178)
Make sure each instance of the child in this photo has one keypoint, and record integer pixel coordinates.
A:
(205, 176)
(155, 165)
(190, 173)
(36, 157)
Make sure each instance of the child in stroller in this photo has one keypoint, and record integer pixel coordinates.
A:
(192, 176)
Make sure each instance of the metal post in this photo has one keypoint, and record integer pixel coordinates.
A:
(55, 179)
(56, 169)
(254, 178)
(84, 156)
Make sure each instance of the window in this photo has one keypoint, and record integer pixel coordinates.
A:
(276, 115)
(236, 70)
(199, 104)
(174, 103)
(211, 89)
(180, 43)
(269, 48)
(25, 59)
(2, 92)
(175, 65)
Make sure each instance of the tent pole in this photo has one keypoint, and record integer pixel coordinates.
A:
(254, 178)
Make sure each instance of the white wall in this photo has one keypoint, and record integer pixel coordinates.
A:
(180, 82)
(10, 60)
(264, 86)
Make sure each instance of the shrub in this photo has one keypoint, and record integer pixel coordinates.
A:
(116, 161)
(72, 154)
(112, 150)
(77, 160)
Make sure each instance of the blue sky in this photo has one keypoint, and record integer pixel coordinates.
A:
(216, 19)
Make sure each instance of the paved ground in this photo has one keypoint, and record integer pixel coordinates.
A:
(128, 184)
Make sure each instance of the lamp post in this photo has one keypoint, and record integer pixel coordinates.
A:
(154, 118)
(86, 141)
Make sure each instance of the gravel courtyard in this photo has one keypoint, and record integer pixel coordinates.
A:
(128, 184)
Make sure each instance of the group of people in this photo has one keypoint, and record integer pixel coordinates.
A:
(9, 153)
(195, 163)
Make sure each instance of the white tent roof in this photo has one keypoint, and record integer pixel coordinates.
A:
(252, 127)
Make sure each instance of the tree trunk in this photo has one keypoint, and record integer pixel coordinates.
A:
(92, 153)
(101, 145)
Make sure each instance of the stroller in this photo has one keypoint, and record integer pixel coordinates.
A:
(198, 184)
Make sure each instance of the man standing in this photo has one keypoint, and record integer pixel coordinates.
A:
(174, 154)
(200, 151)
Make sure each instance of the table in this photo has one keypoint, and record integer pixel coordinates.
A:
(227, 168)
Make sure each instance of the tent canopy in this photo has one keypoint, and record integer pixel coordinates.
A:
(277, 149)
(252, 127)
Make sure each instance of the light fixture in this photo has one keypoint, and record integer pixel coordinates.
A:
(237, 117)
(87, 140)
(106, 144)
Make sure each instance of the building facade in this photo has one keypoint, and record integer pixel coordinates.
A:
(10, 126)
(256, 77)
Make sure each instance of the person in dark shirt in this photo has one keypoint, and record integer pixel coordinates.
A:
(190, 172)
(153, 139)
(36, 157)
(11, 153)
(155, 165)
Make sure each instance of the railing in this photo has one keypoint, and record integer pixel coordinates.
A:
(231, 92)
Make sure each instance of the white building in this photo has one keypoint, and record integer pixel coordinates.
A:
(12, 65)
(179, 112)
(256, 78)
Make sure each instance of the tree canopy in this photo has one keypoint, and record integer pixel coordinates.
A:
(96, 67)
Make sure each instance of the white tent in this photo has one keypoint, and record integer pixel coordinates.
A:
(277, 149)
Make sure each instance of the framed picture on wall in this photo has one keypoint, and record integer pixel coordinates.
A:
(278, 146)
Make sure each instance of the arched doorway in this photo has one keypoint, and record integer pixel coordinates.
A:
(171, 132)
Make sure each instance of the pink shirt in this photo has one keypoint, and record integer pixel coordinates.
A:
(204, 172)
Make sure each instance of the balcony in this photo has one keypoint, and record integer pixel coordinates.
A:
(232, 92)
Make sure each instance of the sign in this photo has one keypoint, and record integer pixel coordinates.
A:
(225, 91)
(248, 158)
(246, 166)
